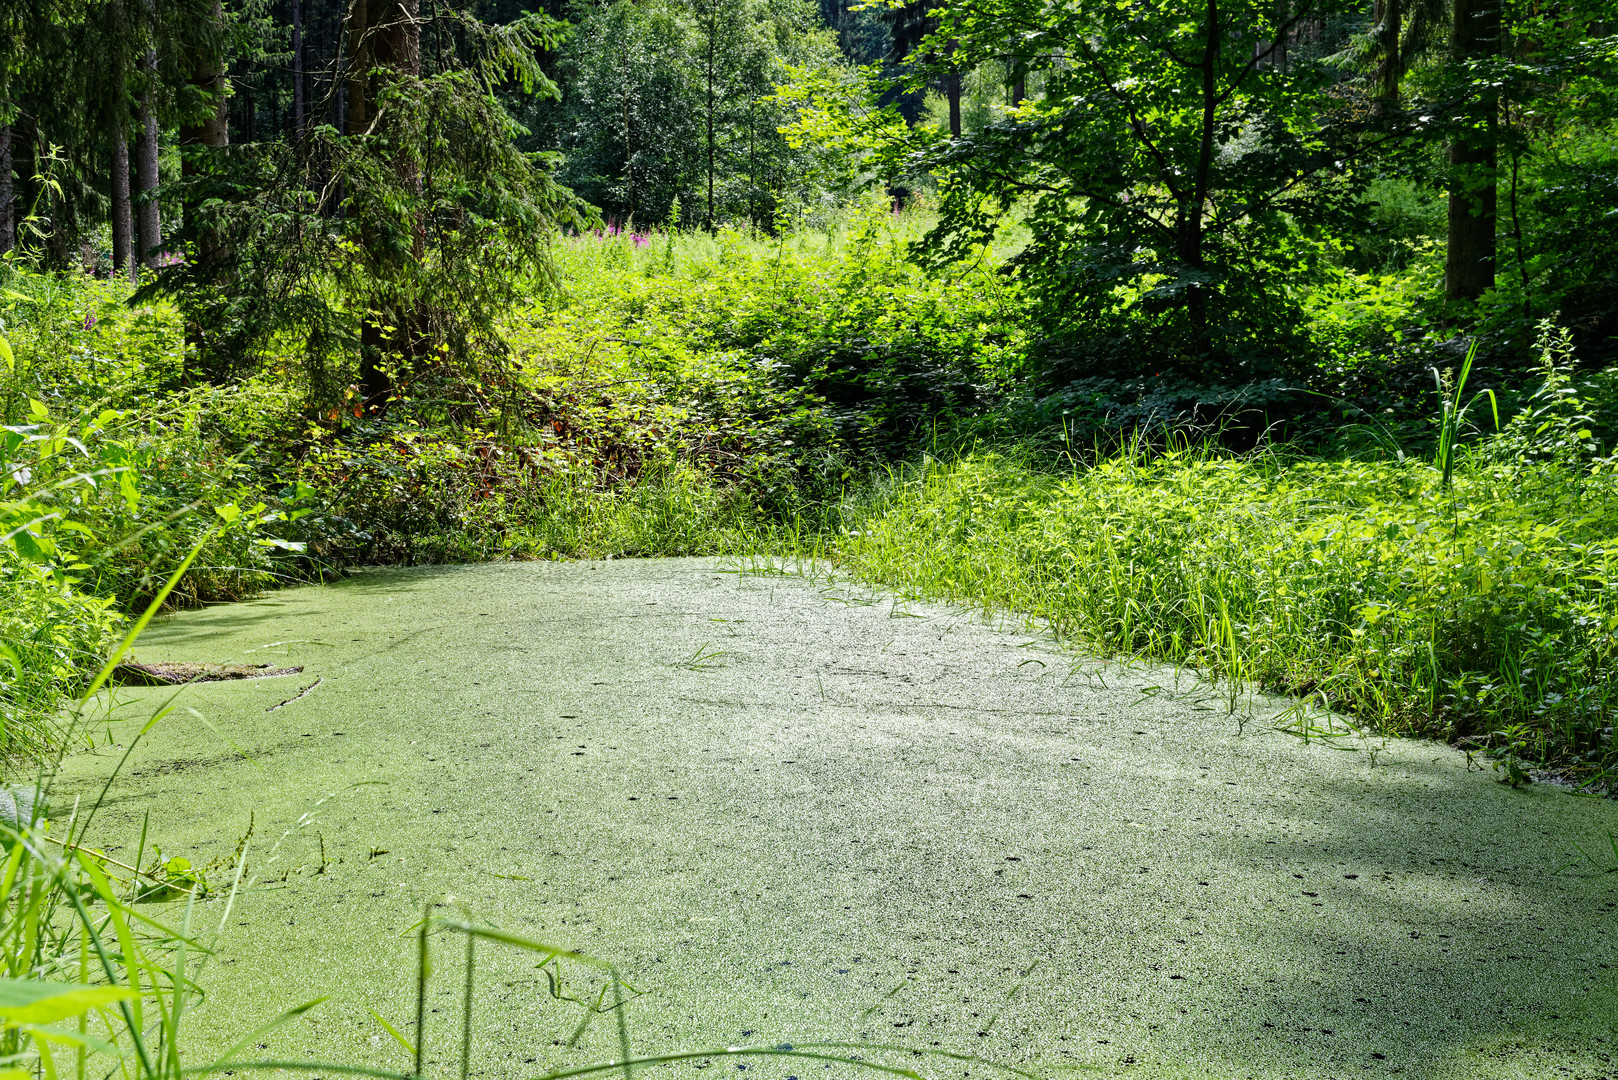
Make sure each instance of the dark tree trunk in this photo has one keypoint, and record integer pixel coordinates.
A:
(1469, 262)
(361, 51)
(197, 142)
(8, 197)
(1389, 26)
(209, 76)
(384, 40)
(123, 238)
(952, 88)
(1191, 227)
(297, 67)
(148, 212)
(374, 382)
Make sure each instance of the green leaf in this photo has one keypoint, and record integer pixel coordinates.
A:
(36, 549)
(391, 1030)
(34, 1001)
(6, 354)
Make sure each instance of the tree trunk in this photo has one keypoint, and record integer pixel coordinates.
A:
(196, 141)
(952, 87)
(1469, 261)
(1195, 204)
(624, 110)
(713, 32)
(1389, 27)
(123, 238)
(384, 39)
(209, 76)
(297, 67)
(8, 213)
(360, 61)
(148, 212)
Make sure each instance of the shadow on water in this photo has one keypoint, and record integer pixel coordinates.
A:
(1354, 928)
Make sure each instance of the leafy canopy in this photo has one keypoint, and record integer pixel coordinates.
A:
(1176, 171)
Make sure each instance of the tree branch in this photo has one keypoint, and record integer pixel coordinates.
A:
(1138, 127)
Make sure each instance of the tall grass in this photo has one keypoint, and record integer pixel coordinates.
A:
(73, 945)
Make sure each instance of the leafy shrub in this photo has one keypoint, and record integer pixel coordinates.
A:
(838, 329)
(110, 475)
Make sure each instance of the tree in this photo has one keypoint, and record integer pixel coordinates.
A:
(671, 100)
(8, 197)
(721, 48)
(630, 125)
(384, 52)
(295, 10)
(1469, 260)
(123, 234)
(913, 25)
(148, 211)
(389, 250)
(1172, 173)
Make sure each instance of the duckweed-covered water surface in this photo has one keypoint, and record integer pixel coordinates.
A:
(792, 810)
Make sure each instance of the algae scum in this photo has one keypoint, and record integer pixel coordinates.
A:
(790, 810)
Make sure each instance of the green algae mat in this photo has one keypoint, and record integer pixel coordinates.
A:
(790, 811)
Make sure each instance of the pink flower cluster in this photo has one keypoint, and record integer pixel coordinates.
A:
(613, 229)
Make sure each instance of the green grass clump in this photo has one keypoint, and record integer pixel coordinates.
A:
(1481, 613)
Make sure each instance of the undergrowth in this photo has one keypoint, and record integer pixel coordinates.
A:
(1476, 606)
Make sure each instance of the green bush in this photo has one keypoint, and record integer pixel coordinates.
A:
(110, 474)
